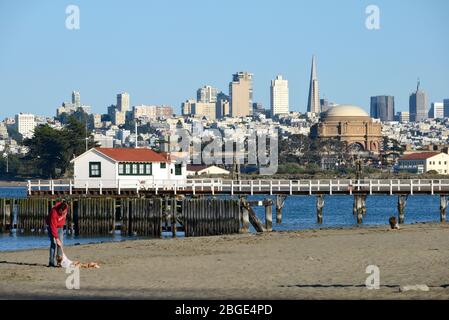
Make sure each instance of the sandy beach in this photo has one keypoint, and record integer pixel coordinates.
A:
(312, 264)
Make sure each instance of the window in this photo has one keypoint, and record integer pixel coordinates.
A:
(134, 169)
(163, 165)
(178, 169)
(121, 168)
(141, 168)
(94, 169)
(148, 169)
(128, 168)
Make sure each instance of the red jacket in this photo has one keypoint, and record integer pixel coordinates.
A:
(55, 220)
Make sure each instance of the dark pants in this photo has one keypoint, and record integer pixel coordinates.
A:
(54, 248)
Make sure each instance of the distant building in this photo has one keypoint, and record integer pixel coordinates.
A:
(402, 116)
(241, 94)
(222, 106)
(258, 108)
(152, 112)
(446, 108)
(25, 124)
(382, 107)
(418, 105)
(436, 110)
(203, 109)
(76, 99)
(197, 170)
(313, 103)
(423, 162)
(349, 124)
(123, 102)
(324, 105)
(279, 96)
(207, 94)
(186, 107)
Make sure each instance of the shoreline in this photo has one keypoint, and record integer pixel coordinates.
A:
(306, 264)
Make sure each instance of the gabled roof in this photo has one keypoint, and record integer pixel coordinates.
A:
(419, 156)
(133, 155)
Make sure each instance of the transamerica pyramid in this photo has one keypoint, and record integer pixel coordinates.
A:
(313, 104)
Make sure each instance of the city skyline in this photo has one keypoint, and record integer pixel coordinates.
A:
(34, 63)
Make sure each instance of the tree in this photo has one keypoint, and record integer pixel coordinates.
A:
(48, 150)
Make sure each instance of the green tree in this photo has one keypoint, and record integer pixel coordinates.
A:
(48, 150)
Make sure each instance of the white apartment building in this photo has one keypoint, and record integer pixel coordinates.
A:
(424, 162)
(25, 124)
(152, 111)
(123, 102)
(436, 110)
(279, 96)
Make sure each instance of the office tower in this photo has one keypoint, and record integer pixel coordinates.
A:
(207, 94)
(418, 105)
(324, 105)
(241, 93)
(446, 108)
(222, 106)
(203, 109)
(123, 102)
(151, 112)
(436, 110)
(279, 96)
(186, 107)
(382, 107)
(76, 99)
(25, 124)
(402, 116)
(313, 104)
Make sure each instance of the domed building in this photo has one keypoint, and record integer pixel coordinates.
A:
(349, 124)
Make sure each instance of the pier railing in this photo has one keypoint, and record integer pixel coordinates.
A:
(245, 187)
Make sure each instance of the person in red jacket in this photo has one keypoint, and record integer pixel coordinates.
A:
(55, 222)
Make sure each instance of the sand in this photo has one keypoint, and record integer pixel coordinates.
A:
(312, 264)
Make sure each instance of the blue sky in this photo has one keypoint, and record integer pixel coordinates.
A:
(162, 51)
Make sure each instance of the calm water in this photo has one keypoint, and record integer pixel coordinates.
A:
(299, 213)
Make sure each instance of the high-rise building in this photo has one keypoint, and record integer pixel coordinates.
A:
(279, 96)
(313, 103)
(186, 107)
(418, 105)
(25, 124)
(152, 112)
(207, 94)
(204, 109)
(446, 108)
(382, 107)
(436, 110)
(222, 106)
(402, 116)
(241, 94)
(76, 99)
(123, 102)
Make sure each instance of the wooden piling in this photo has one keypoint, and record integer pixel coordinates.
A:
(245, 219)
(280, 201)
(359, 205)
(2, 215)
(319, 208)
(402, 200)
(173, 216)
(253, 219)
(268, 215)
(443, 206)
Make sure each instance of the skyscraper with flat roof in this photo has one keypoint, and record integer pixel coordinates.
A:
(279, 96)
(382, 107)
(207, 94)
(123, 102)
(241, 94)
(76, 99)
(446, 108)
(418, 105)
(313, 103)
(436, 110)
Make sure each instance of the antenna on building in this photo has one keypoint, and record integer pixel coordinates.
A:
(417, 86)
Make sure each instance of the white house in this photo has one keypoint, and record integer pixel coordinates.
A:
(424, 162)
(197, 170)
(127, 168)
